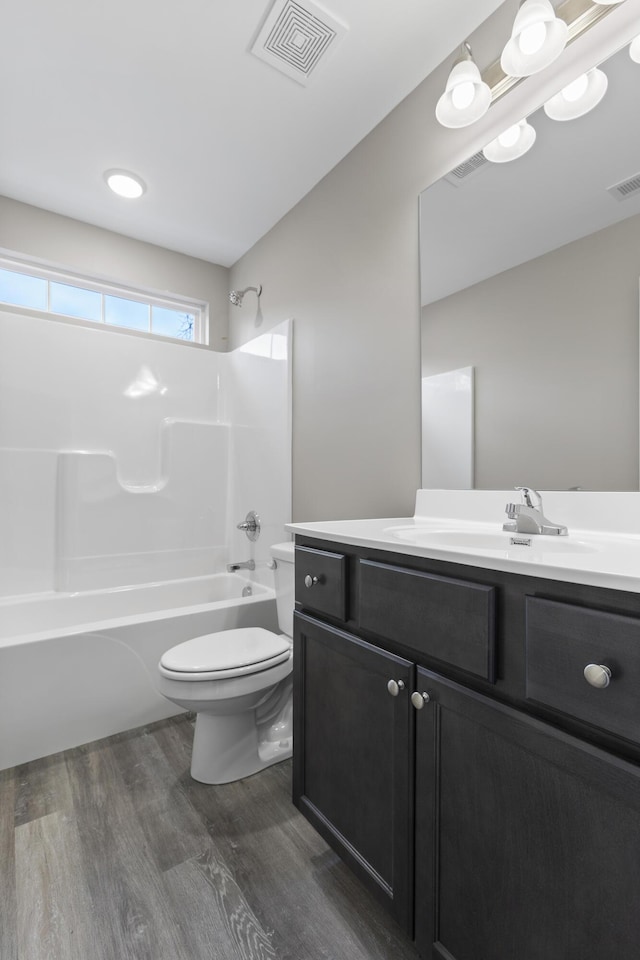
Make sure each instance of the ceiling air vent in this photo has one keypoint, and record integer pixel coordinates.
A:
(625, 189)
(296, 36)
(464, 171)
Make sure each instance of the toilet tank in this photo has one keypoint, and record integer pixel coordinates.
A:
(283, 554)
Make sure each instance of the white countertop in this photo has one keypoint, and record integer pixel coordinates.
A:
(597, 552)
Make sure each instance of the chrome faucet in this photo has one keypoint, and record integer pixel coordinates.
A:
(243, 565)
(527, 517)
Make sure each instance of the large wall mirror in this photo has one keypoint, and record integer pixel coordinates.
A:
(529, 279)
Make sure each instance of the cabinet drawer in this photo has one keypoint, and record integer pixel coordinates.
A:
(321, 581)
(561, 641)
(451, 620)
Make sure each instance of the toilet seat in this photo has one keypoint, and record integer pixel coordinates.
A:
(226, 654)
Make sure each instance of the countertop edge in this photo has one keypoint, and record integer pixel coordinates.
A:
(341, 531)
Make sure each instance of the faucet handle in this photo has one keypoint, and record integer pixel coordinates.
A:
(250, 525)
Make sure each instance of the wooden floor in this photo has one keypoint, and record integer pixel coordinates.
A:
(111, 851)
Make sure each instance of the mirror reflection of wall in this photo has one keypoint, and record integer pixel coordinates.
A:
(529, 274)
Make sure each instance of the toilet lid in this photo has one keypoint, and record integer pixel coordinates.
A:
(228, 652)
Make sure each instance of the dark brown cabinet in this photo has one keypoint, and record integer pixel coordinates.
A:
(320, 575)
(445, 618)
(353, 763)
(461, 762)
(527, 839)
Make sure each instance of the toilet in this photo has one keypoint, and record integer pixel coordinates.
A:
(239, 684)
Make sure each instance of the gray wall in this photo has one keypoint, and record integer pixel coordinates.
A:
(554, 343)
(81, 247)
(344, 264)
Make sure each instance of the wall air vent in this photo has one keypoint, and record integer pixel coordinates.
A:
(464, 171)
(296, 36)
(625, 189)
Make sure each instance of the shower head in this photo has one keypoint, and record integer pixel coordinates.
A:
(236, 295)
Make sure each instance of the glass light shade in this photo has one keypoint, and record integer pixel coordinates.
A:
(532, 38)
(606, 3)
(576, 89)
(578, 97)
(537, 39)
(634, 50)
(511, 144)
(125, 184)
(466, 97)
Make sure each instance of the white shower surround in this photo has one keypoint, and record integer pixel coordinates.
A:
(129, 460)
(125, 465)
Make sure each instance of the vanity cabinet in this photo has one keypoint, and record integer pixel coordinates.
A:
(448, 745)
(353, 774)
(527, 839)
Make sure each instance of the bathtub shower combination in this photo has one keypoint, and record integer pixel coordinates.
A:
(123, 478)
(81, 666)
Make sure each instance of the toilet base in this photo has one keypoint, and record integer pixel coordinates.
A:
(228, 747)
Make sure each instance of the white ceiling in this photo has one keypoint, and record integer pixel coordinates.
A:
(169, 90)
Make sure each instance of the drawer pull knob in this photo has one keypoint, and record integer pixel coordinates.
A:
(418, 700)
(597, 675)
(310, 581)
(395, 686)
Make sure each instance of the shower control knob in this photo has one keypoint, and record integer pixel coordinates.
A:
(597, 675)
(418, 700)
(250, 525)
(310, 581)
(395, 686)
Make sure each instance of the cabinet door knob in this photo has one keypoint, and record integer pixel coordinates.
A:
(395, 686)
(597, 675)
(418, 700)
(310, 581)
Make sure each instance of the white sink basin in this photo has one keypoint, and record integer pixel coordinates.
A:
(512, 544)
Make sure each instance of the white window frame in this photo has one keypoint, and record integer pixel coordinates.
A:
(151, 298)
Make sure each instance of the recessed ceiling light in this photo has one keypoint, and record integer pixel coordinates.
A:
(125, 184)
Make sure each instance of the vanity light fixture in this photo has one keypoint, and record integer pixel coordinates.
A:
(537, 39)
(125, 184)
(578, 97)
(511, 144)
(466, 97)
(634, 49)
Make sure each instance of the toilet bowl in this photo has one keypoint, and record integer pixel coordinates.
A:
(238, 682)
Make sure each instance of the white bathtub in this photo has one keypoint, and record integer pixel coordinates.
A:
(78, 667)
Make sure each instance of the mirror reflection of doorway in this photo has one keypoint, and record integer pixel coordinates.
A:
(448, 430)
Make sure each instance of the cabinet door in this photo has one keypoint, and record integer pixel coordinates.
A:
(353, 750)
(527, 839)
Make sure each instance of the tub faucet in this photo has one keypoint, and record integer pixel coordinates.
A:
(527, 517)
(243, 565)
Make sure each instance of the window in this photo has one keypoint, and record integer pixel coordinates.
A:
(63, 295)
